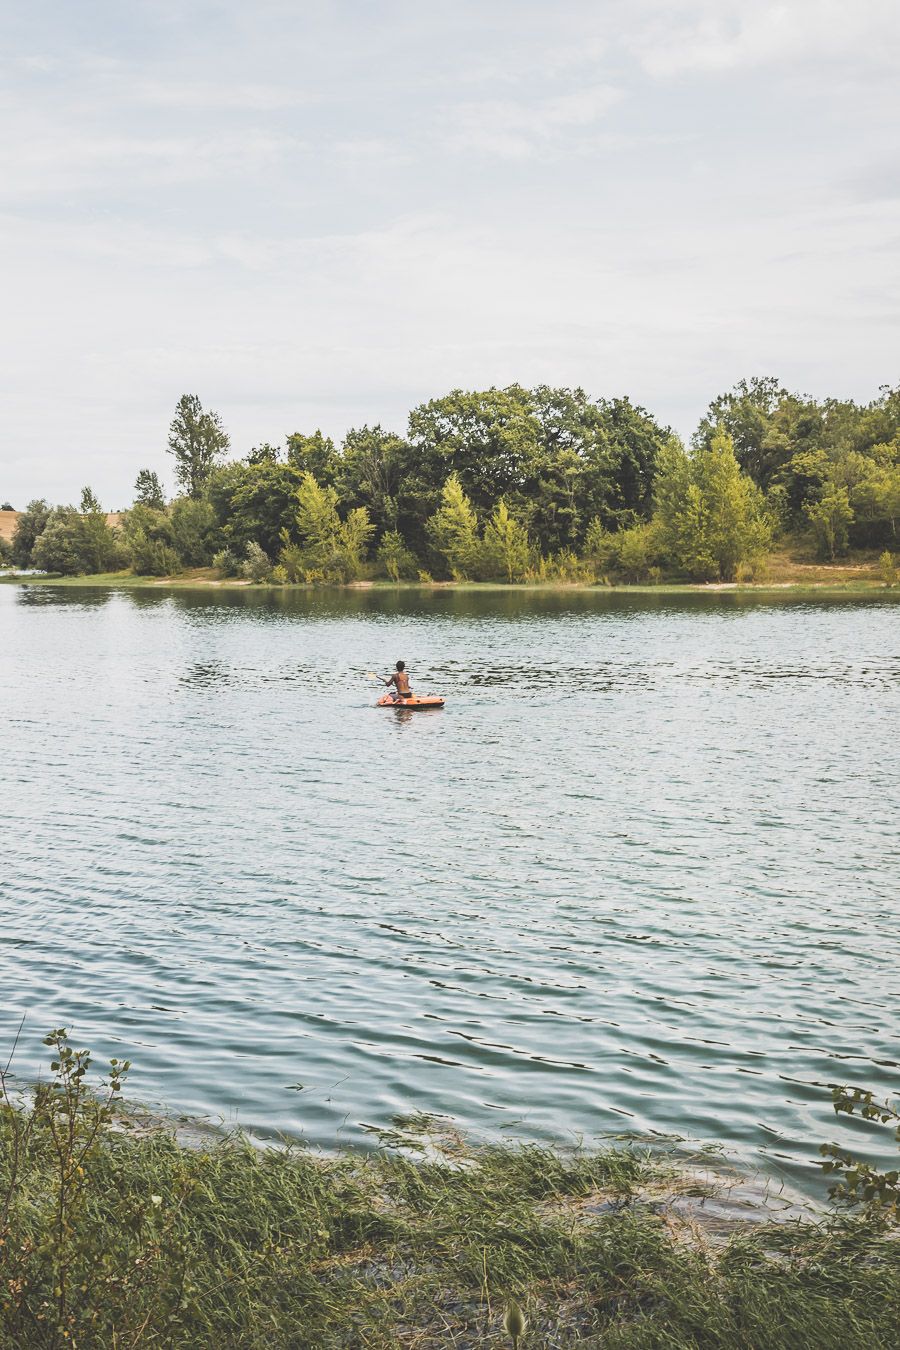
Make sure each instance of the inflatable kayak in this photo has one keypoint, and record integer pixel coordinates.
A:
(414, 701)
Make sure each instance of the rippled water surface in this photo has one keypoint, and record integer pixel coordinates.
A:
(640, 874)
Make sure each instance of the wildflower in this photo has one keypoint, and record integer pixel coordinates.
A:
(156, 1201)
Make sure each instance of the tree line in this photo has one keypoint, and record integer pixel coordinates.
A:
(509, 484)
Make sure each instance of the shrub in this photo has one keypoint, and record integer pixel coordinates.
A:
(227, 562)
(887, 568)
(257, 564)
(279, 576)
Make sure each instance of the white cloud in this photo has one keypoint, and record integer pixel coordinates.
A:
(682, 36)
(516, 129)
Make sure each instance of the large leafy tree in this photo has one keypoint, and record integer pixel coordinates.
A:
(710, 516)
(255, 502)
(197, 440)
(29, 527)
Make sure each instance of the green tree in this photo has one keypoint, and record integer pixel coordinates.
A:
(453, 531)
(255, 503)
(505, 551)
(331, 548)
(710, 517)
(370, 472)
(96, 544)
(746, 413)
(197, 440)
(29, 527)
(194, 531)
(395, 557)
(736, 525)
(313, 454)
(148, 490)
(148, 542)
(57, 547)
(831, 517)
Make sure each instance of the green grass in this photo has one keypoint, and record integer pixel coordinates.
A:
(227, 1246)
(838, 582)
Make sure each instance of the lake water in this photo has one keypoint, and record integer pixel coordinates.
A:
(639, 875)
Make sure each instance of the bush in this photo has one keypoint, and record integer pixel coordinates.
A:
(257, 565)
(279, 576)
(227, 562)
(887, 568)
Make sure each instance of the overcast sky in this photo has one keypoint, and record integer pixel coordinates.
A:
(320, 214)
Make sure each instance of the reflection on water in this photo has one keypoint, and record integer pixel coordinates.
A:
(639, 874)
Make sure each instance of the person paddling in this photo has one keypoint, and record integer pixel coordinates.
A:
(400, 681)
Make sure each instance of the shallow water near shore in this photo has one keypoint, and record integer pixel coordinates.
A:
(639, 876)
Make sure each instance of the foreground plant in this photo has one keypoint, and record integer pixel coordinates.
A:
(861, 1183)
(113, 1237)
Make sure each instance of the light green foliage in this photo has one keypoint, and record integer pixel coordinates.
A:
(330, 548)
(257, 565)
(637, 552)
(505, 551)
(710, 517)
(227, 562)
(887, 567)
(394, 557)
(831, 517)
(197, 440)
(29, 527)
(453, 531)
(148, 490)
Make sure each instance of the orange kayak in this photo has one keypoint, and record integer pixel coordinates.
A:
(414, 701)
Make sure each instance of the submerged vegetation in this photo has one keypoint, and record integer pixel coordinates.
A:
(113, 1236)
(507, 485)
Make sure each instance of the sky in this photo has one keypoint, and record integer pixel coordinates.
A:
(321, 214)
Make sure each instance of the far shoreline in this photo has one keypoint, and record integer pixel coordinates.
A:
(202, 579)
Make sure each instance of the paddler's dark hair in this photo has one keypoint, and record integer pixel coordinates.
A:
(400, 665)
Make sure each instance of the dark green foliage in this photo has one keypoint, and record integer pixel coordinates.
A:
(148, 490)
(255, 501)
(29, 527)
(77, 542)
(195, 532)
(197, 440)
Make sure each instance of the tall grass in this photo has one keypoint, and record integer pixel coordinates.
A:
(114, 1238)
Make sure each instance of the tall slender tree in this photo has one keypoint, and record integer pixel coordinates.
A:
(197, 440)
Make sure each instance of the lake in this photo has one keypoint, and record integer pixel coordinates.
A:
(639, 876)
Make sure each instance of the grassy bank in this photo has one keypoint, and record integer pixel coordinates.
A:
(115, 1238)
(785, 574)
